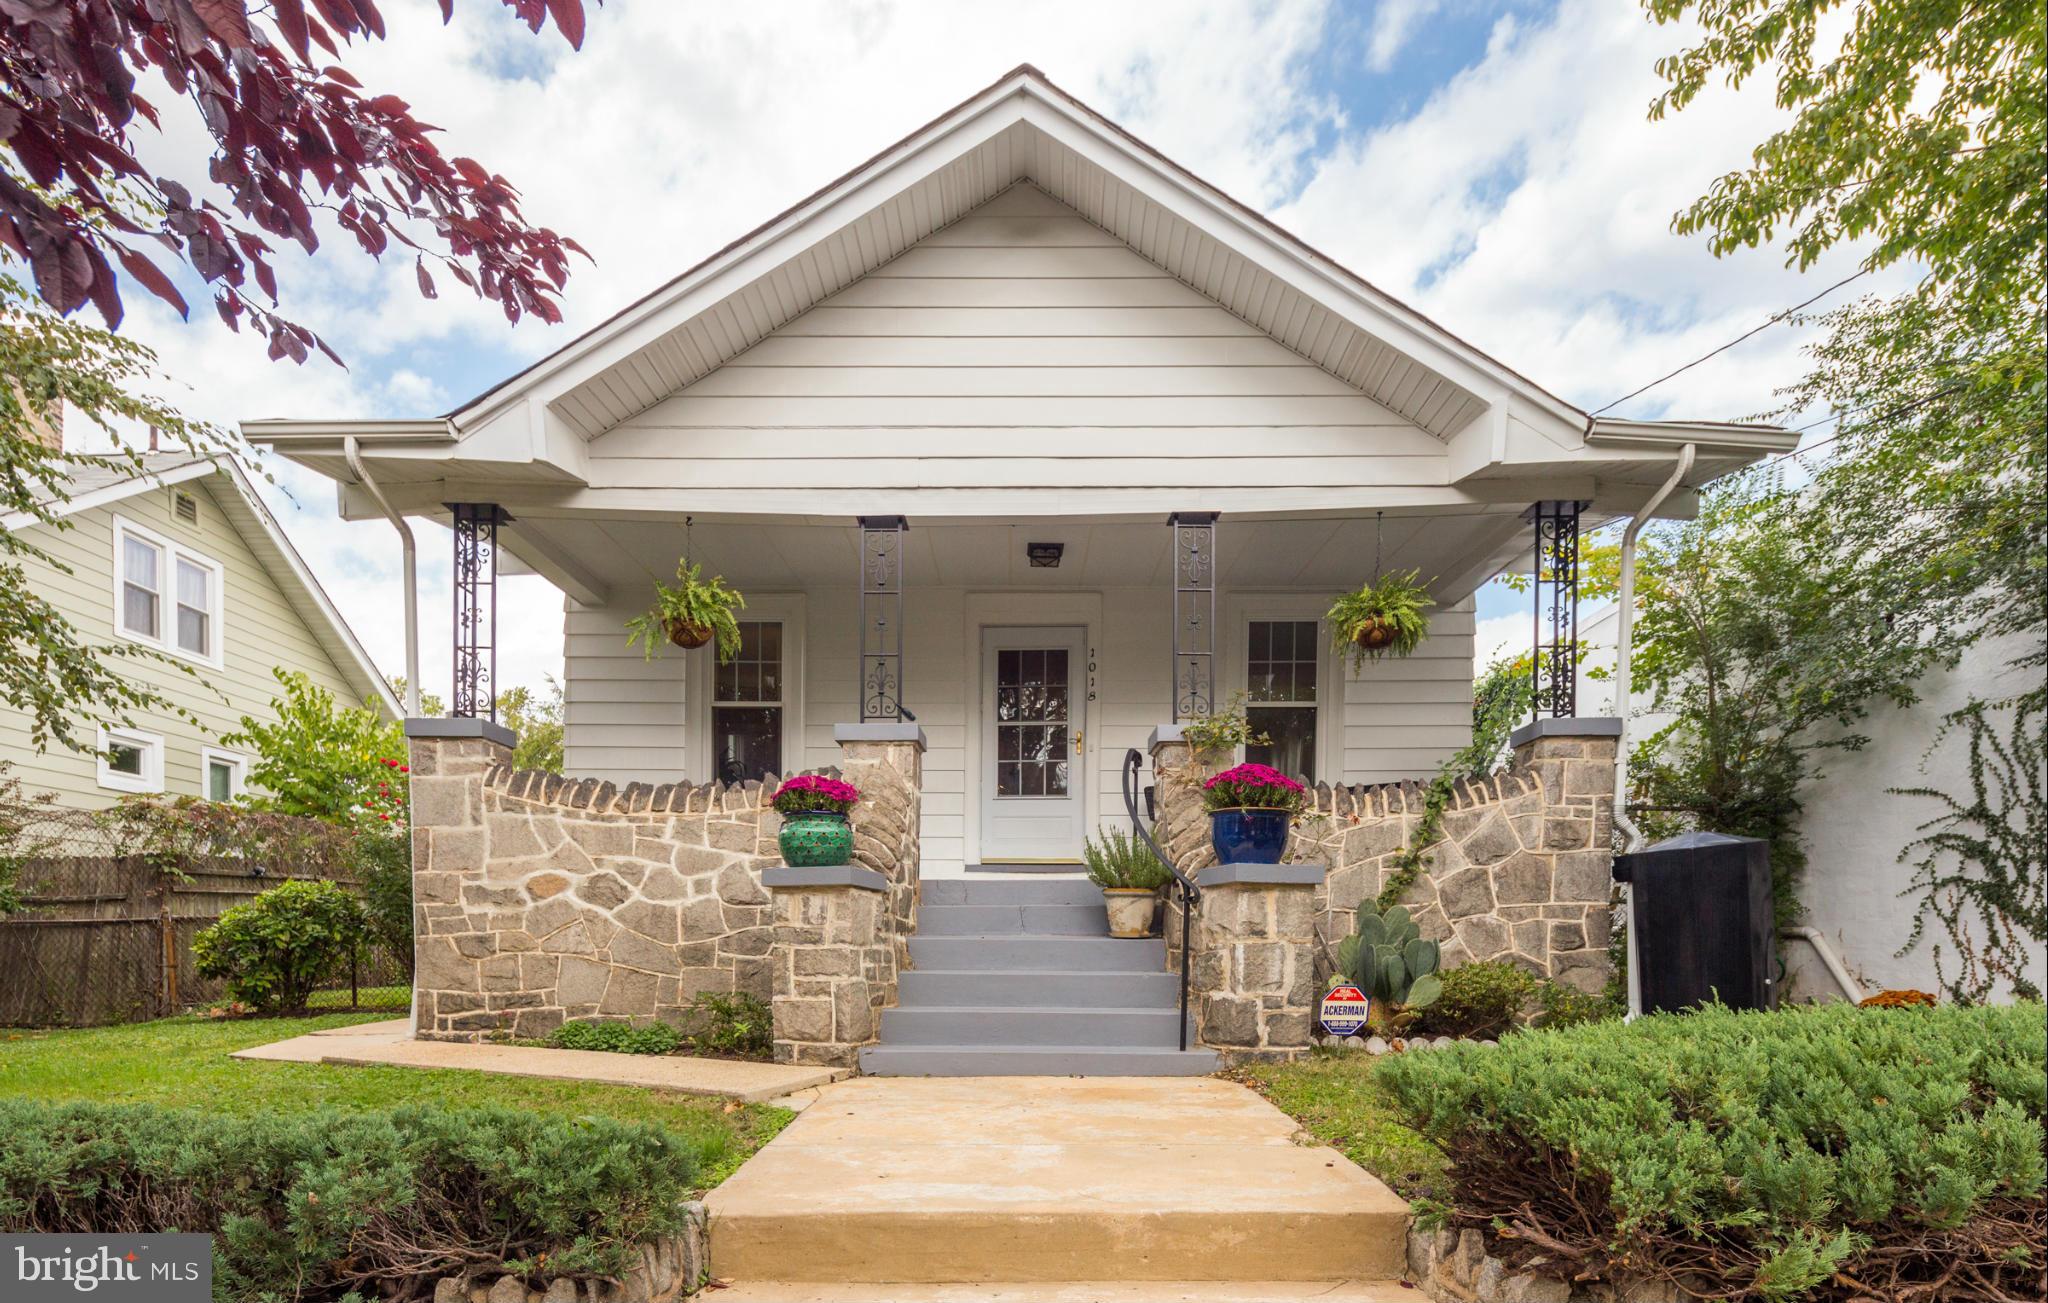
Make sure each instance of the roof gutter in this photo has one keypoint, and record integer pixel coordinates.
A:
(1624, 629)
(352, 453)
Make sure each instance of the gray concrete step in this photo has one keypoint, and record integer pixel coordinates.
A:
(982, 920)
(1135, 989)
(1034, 1061)
(961, 1027)
(1063, 890)
(1025, 951)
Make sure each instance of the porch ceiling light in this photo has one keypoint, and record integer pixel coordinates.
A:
(1045, 556)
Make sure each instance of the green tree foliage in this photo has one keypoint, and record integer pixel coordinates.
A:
(537, 718)
(276, 950)
(50, 670)
(1823, 1152)
(351, 1204)
(1770, 643)
(344, 764)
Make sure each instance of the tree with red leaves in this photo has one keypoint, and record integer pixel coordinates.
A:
(294, 132)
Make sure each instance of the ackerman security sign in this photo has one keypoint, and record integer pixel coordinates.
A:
(1344, 1010)
(136, 1268)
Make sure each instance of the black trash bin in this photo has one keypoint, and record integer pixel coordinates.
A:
(1702, 917)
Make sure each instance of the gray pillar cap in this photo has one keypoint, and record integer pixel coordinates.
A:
(459, 726)
(824, 875)
(1590, 726)
(879, 731)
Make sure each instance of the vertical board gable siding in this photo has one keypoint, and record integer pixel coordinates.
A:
(1022, 322)
(259, 630)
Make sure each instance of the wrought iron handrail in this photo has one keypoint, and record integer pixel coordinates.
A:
(1190, 894)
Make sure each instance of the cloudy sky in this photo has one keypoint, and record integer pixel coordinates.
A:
(1491, 163)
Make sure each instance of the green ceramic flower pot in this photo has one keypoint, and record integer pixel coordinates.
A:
(815, 837)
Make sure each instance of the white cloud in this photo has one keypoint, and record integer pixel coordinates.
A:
(1525, 204)
(1393, 22)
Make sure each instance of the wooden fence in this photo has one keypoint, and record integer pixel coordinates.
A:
(108, 939)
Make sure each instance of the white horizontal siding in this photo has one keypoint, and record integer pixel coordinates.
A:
(1025, 348)
(625, 720)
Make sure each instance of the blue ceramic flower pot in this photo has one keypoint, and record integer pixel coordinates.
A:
(1249, 836)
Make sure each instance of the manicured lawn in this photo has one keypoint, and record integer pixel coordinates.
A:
(184, 1062)
(1334, 1097)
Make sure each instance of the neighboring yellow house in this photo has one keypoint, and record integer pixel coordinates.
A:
(182, 557)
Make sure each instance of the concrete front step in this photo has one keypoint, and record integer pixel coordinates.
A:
(1076, 1291)
(985, 920)
(889, 1060)
(1026, 951)
(955, 988)
(1035, 1181)
(957, 1027)
(1068, 890)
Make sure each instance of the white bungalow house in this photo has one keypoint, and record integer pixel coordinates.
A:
(934, 421)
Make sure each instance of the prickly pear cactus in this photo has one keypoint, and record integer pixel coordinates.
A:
(1387, 958)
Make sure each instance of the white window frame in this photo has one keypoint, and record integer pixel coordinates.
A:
(787, 609)
(237, 763)
(166, 636)
(151, 745)
(1330, 676)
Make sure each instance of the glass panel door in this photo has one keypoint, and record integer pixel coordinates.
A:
(1030, 776)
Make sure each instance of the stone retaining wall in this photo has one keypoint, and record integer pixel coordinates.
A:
(1522, 872)
(668, 1269)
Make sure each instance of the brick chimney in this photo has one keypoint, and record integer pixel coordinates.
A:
(50, 432)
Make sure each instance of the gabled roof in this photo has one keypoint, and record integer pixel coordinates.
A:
(1022, 127)
(89, 487)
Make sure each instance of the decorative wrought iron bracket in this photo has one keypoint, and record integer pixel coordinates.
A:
(881, 617)
(476, 608)
(1193, 678)
(1555, 634)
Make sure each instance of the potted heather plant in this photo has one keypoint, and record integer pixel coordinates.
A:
(1250, 809)
(1381, 619)
(1130, 876)
(814, 825)
(691, 614)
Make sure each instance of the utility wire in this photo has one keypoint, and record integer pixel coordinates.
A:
(1774, 320)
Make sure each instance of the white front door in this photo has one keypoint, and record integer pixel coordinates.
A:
(1031, 712)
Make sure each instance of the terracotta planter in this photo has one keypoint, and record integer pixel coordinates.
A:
(687, 636)
(1130, 910)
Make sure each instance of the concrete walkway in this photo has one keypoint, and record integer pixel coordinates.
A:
(1023, 1183)
(389, 1044)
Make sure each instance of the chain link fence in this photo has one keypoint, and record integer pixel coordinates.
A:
(107, 903)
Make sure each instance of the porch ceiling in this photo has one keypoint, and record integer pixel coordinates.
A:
(622, 557)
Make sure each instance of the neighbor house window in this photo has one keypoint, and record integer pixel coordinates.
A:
(746, 706)
(1280, 689)
(131, 761)
(166, 594)
(221, 774)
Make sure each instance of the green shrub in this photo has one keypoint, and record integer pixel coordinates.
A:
(1829, 1152)
(1122, 861)
(326, 1204)
(737, 1025)
(617, 1037)
(385, 862)
(275, 950)
(1559, 1006)
(1481, 1000)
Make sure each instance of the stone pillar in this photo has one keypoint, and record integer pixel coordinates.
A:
(842, 933)
(833, 943)
(1180, 823)
(1573, 761)
(1254, 971)
(449, 758)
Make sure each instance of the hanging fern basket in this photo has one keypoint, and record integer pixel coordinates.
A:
(1374, 634)
(1384, 618)
(685, 635)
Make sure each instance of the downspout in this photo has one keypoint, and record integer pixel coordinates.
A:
(352, 454)
(1624, 628)
(1832, 961)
